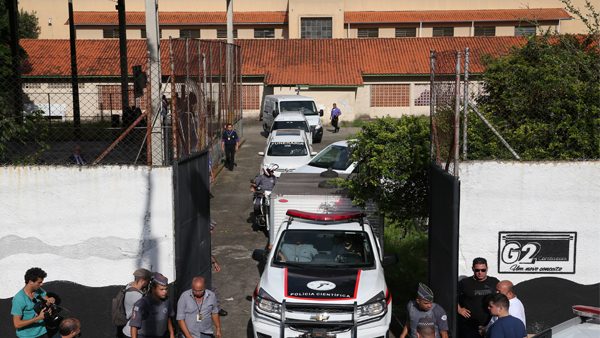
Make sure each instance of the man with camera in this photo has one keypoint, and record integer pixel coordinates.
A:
(27, 321)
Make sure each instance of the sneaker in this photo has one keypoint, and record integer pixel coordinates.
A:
(222, 313)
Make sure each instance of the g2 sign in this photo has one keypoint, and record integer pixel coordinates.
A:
(536, 252)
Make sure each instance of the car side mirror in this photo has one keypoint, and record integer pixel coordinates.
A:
(275, 113)
(313, 153)
(261, 153)
(259, 255)
(321, 112)
(389, 260)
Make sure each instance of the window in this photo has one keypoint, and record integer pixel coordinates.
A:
(485, 31)
(109, 97)
(316, 28)
(524, 30)
(110, 33)
(390, 95)
(143, 33)
(222, 33)
(250, 97)
(421, 95)
(368, 32)
(189, 33)
(32, 85)
(264, 33)
(287, 149)
(64, 85)
(406, 32)
(443, 31)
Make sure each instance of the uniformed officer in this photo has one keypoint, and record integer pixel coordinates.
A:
(151, 316)
(230, 143)
(424, 307)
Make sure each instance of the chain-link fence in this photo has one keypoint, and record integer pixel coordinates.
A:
(453, 98)
(44, 121)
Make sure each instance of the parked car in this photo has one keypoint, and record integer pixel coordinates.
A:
(288, 148)
(335, 156)
(292, 120)
(586, 324)
(274, 105)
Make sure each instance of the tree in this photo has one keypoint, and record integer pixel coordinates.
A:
(393, 156)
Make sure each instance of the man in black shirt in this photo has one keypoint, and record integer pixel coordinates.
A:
(230, 143)
(473, 295)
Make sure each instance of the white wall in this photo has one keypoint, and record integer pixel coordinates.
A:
(530, 197)
(93, 226)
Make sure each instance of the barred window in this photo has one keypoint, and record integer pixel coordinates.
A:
(250, 97)
(64, 85)
(264, 33)
(222, 33)
(109, 97)
(144, 35)
(368, 32)
(110, 33)
(524, 30)
(390, 95)
(32, 85)
(421, 95)
(485, 31)
(406, 32)
(316, 28)
(443, 31)
(189, 33)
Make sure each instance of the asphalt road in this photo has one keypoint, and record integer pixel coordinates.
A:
(234, 239)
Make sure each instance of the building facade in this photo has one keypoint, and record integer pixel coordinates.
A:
(296, 19)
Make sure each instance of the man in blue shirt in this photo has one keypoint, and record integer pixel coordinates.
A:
(506, 326)
(335, 118)
(26, 321)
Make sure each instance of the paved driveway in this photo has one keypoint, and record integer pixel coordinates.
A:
(234, 239)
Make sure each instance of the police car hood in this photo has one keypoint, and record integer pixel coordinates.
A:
(309, 285)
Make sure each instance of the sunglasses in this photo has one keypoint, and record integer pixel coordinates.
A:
(479, 270)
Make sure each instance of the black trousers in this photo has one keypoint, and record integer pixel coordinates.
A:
(334, 122)
(230, 155)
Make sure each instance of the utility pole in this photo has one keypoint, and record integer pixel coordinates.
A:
(74, 78)
(154, 85)
(229, 62)
(123, 54)
(13, 18)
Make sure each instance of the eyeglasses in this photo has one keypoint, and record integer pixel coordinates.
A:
(479, 270)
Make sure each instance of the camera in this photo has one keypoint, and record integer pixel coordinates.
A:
(52, 318)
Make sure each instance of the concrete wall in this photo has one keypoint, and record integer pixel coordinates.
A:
(91, 226)
(555, 206)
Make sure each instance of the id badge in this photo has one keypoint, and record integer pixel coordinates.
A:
(199, 317)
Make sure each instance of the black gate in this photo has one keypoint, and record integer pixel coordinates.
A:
(192, 220)
(444, 192)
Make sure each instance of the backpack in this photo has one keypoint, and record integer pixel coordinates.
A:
(119, 317)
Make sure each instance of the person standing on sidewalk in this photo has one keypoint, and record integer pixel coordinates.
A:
(335, 118)
(230, 143)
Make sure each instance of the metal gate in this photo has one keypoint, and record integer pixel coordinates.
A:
(192, 220)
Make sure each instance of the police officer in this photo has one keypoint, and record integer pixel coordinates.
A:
(230, 143)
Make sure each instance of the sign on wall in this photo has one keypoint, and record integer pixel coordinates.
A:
(536, 252)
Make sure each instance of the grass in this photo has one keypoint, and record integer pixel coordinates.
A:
(411, 248)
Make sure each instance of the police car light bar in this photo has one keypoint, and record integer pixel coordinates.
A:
(586, 311)
(340, 216)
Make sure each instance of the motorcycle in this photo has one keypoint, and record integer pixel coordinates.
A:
(261, 207)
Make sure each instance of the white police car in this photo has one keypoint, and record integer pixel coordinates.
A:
(292, 120)
(288, 148)
(323, 278)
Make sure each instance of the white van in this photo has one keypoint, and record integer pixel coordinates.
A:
(273, 105)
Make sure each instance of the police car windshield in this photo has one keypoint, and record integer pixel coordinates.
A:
(335, 157)
(287, 149)
(305, 107)
(301, 125)
(314, 248)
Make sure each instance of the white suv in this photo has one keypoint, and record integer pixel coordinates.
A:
(323, 278)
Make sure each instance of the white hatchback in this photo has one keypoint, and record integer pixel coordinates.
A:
(288, 148)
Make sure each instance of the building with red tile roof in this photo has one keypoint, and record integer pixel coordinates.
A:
(347, 71)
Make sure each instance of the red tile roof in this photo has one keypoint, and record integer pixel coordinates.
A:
(83, 18)
(336, 62)
(480, 15)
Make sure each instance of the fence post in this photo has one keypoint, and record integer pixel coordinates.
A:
(457, 115)
(465, 104)
(431, 101)
(174, 115)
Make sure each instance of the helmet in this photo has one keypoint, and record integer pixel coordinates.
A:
(270, 168)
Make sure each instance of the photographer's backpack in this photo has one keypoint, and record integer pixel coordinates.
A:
(119, 317)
